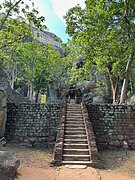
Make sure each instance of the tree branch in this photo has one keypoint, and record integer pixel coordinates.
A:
(8, 12)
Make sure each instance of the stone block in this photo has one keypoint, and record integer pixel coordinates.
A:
(132, 145)
(115, 143)
(8, 165)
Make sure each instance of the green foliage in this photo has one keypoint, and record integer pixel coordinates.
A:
(38, 63)
(31, 62)
(105, 30)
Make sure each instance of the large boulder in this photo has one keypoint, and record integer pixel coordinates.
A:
(8, 165)
(3, 111)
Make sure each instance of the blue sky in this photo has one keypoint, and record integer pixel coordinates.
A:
(54, 23)
(53, 10)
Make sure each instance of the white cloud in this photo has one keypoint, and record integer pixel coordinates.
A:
(62, 6)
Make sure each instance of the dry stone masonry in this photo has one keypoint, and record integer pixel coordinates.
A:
(32, 124)
(37, 124)
(112, 124)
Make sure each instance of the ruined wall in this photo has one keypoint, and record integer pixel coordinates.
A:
(36, 124)
(112, 124)
(32, 124)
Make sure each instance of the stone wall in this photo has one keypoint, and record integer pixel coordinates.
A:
(32, 124)
(36, 124)
(112, 124)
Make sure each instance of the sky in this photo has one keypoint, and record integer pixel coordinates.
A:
(54, 10)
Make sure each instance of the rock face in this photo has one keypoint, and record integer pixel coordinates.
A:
(48, 37)
(6, 95)
(8, 165)
(3, 109)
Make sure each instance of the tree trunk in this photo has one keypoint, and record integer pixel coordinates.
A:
(13, 78)
(123, 95)
(36, 96)
(114, 90)
(114, 85)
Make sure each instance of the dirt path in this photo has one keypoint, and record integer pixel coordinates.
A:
(35, 166)
(28, 173)
(31, 173)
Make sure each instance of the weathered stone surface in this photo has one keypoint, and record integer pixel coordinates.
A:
(76, 166)
(58, 149)
(112, 124)
(115, 143)
(3, 111)
(133, 146)
(37, 124)
(32, 139)
(3, 141)
(8, 165)
(26, 144)
(32, 124)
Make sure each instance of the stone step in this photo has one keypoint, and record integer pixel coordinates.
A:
(76, 151)
(77, 136)
(77, 141)
(76, 105)
(74, 122)
(73, 115)
(72, 157)
(74, 126)
(75, 146)
(74, 118)
(73, 104)
(74, 132)
(89, 163)
(75, 129)
(70, 116)
(74, 111)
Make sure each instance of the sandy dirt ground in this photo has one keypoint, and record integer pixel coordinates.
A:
(28, 173)
(35, 166)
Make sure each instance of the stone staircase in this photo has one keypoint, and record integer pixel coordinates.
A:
(75, 147)
(75, 142)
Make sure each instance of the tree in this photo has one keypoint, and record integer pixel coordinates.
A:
(105, 31)
(17, 7)
(40, 66)
(16, 25)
